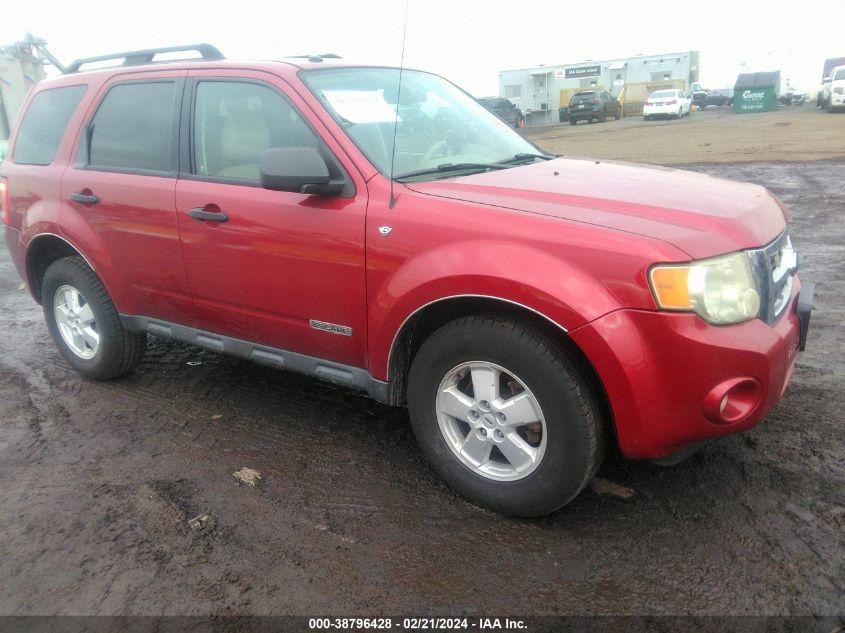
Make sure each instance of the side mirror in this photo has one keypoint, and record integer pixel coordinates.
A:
(297, 169)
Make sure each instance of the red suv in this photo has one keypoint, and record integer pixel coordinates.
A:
(401, 240)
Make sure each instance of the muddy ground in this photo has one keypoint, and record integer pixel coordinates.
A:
(99, 483)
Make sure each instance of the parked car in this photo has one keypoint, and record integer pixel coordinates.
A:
(720, 97)
(505, 109)
(830, 66)
(800, 98)
(668, 103)
(528, 310)
(593, 105)
(834, 90)
(698, 94)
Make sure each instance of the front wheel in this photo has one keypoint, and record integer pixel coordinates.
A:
(573, 122)
(504, 415)
(85, 324)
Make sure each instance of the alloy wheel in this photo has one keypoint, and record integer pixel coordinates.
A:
(491, 421)
(76, 323)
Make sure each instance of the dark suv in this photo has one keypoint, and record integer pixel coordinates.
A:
(593, 105)
(505, 109)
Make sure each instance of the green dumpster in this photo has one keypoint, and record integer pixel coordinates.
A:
(756, 92)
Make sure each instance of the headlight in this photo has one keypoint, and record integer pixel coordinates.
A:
(720, 290)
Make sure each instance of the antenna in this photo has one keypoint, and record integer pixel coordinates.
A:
(398, 99)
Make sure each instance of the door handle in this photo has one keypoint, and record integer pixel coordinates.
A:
(201, 214)
(84, 198)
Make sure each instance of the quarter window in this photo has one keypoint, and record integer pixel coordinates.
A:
(44, 124)
(235, 122)
(133, 128)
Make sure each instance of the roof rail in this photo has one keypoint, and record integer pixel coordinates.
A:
(315, 58)
(147, 56)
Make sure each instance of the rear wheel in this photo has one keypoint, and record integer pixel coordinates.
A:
(573, 122)
(504, 415)
(85, 324)
(603, 116)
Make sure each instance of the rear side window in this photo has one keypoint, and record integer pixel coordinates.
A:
(44, 124)
(133, 128)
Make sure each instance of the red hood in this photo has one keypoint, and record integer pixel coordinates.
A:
(700, 214)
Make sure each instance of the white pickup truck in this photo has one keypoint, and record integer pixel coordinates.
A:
(833, 90)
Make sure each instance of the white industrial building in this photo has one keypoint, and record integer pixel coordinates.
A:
(541, 90)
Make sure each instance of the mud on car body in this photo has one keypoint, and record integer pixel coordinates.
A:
(528, 310)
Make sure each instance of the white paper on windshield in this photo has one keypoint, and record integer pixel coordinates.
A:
(361, 106)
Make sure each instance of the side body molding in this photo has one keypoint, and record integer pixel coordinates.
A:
(336, 373)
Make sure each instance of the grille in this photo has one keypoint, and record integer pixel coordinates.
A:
(774, 268)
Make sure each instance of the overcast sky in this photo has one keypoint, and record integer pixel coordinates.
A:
(467, 41)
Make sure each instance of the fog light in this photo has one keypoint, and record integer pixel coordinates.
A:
(733, 400)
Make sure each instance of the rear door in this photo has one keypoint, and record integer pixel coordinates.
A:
(123, 183)
(284, 269)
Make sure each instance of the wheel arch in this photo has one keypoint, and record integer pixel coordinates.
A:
(423, 322)
(41, 251)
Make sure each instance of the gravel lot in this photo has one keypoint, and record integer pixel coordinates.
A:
(714, 135)
(100, 482)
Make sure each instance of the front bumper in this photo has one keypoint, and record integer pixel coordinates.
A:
(665, 374)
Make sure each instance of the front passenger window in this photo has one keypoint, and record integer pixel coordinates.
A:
(235, 122)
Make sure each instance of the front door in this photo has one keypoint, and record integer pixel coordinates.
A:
(281, 265)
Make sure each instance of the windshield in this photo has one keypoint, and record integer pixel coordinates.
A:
(663, 94)
(840, 74)
(583, 96)
(438, 124)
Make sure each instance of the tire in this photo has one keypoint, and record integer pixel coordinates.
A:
(680, 113)
(568, 442)
(603, 116)
(618, 114)
(573, 122)
(646, 117)
(105, 349)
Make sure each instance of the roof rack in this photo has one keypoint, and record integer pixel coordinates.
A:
(147, 56)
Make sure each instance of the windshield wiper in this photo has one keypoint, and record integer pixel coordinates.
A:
(449, 167)
(520, 157)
